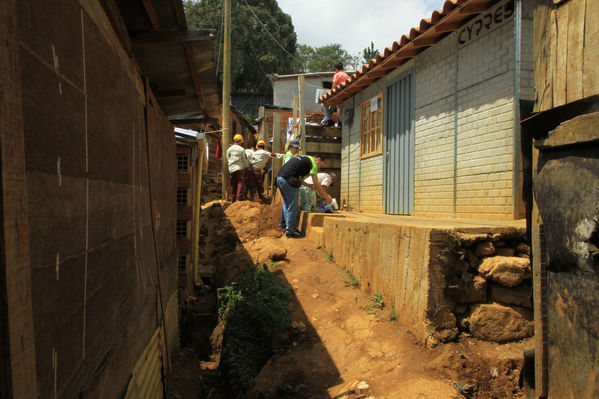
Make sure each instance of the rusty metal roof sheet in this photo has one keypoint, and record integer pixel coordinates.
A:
(429, 31)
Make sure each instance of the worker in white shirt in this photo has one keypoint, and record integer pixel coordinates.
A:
(326, 180)
(249, 175)
(259, 160)
(238, 162)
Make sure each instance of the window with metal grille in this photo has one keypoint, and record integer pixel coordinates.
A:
(182, 162)
(182, 263)
(182, 196)
(181, 229)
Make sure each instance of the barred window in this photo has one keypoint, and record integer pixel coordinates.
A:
(182, 196)
(182, 162)
(181, 229)
(182, 263)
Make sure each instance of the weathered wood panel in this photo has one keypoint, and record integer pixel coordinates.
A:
(94, 270)
(17, 353)
(566, 52)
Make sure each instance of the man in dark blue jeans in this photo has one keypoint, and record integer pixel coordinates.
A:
(289, 181)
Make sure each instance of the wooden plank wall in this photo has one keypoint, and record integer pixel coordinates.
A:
(566, 52)
(96, 270)
(17, 347)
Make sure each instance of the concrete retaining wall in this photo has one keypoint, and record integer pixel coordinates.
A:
(414, 266)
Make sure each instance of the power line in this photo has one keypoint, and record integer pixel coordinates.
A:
(267, 31)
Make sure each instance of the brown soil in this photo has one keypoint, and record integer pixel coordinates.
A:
(333, 344)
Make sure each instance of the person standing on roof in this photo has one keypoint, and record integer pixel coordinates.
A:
(238, 162)
(339, 78)
(259, 160)
(289, 180)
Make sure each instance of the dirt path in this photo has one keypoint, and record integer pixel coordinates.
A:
(335, 344)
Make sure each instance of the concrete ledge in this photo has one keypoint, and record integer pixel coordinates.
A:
(311, 224)
(409, 264)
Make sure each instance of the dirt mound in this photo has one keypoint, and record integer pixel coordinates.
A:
(253, 220)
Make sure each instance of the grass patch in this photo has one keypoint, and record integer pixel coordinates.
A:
(254, 312)
(350, 280)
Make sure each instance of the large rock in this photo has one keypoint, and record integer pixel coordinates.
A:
(504, 251)
(500, 323)
(470, 289)
(506, 270)
(485, 248)
(519, 295)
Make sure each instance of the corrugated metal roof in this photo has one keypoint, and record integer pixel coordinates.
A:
(429, 31)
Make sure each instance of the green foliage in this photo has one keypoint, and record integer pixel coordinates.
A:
(350, 280)
(254, 312)
(323, 58)
(330, 257)
(375, 304)
(254, 53)
(392, 315)
(369, 53)
(356, 297)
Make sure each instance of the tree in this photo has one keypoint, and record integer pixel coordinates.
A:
(254, 52)
(369, 53)
(324, 58)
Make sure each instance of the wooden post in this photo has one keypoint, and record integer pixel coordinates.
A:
(226, 107)
(301, 83)
(197, 210)
(539, 289)
(17, 335)
(293, 122)
(276, 147)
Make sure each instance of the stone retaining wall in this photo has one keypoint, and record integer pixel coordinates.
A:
(441, 281)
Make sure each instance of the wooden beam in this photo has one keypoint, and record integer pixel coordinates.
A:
(475, 8)
(172, 93)
(18, 377)
(160, 38)
(193, 70)
(425, 41)
(154, 20)
(448, 26)
(179, 13)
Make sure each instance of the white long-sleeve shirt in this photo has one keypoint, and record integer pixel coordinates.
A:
(260, 158)
(236, 158)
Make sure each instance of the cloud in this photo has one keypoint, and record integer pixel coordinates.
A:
(355, 23)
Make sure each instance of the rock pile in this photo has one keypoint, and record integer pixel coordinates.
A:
(491, 289)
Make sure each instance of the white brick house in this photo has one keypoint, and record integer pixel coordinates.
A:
(432, 124)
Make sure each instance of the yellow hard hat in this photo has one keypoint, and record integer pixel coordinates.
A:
(238, 137)
(261, 142)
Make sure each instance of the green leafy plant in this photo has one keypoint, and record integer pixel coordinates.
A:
(375, 304)
(350, 280)
(254, 312)
(330, 257)
(392, 315)
(356, 297)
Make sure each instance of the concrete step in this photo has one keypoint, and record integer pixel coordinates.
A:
(314, 234)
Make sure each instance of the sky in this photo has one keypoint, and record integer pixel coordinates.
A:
(355, 23)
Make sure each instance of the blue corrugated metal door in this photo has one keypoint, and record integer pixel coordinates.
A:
(399, 147)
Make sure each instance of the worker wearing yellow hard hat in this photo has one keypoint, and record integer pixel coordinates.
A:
(260, 159)
(238, 162)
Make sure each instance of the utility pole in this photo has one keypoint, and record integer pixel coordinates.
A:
(226, 105)
(301, 83)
